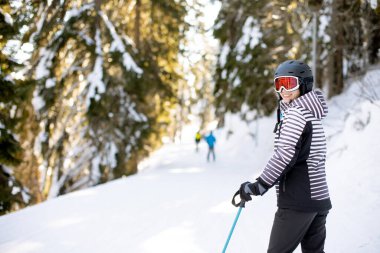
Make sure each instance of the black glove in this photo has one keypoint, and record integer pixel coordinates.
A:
(248, 188)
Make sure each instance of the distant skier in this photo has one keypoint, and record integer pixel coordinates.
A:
(297, 166)
(210, 139)
(198, 138)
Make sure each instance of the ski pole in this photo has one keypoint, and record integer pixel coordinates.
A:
(241, 204)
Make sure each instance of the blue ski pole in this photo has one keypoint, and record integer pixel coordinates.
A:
(241, 204)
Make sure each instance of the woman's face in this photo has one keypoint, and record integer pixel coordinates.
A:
(288, 96)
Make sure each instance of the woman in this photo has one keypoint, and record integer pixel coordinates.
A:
(297, 166)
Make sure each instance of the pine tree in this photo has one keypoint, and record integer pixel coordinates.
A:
(13, 93)
(255, 37)
(372, 17)
(107, 74)
(351, 45)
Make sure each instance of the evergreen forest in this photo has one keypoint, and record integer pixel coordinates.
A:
(89, 88)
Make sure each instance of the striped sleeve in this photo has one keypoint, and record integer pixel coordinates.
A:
(285, 153)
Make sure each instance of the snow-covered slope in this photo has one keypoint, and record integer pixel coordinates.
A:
(180, 203)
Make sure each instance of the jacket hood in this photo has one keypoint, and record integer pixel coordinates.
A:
(312, 101)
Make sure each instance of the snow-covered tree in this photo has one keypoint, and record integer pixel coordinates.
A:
(256, 36)
(13, 93)
(106, 75)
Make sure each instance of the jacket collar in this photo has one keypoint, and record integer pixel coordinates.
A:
(312, 101)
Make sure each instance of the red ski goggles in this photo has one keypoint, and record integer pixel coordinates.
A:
(289, 83)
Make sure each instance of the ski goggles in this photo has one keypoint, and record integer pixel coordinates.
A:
(289, 83)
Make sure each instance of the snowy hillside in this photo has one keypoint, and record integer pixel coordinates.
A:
(180, 203)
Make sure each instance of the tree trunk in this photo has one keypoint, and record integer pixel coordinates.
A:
(373, 31)
(315, 57)
(335, 74)
(137, 23)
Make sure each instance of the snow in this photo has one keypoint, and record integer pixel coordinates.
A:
(138, 117)
(41, 13)
(17, 51)
(118, 45)
(236, 82)
(95, 168)
(373, 4)
(86, 38)
(111, 155)
(96, 84)
(223, 54)
(44, 63)
(251, 34)
(74, 12)
(180, 203)
(15, 190)
(50, 83)
(16, 4)
(8, 18)
(37, 101)
(324, 22)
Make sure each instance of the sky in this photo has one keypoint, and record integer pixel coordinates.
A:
(179, 202)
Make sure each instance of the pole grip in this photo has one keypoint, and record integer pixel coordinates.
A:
(241, 203)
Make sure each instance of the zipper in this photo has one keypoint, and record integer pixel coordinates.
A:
(279, 129)
(283, 184)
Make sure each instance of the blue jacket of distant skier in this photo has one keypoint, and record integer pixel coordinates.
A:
(210, 139)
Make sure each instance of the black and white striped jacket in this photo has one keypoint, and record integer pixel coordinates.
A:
(297, 167)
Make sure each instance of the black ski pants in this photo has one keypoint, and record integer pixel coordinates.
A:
(292, 227)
